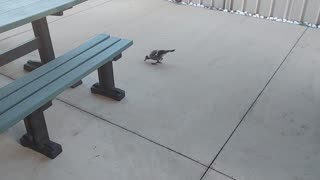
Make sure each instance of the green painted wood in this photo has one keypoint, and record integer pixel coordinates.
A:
(49, 92)
(32, 12)
(51, 76)
(32, 76)
(12, 5)
(2, 1)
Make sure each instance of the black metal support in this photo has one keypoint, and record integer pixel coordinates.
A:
(41, 31)
(58, 14)
(106, 86)
(17, 52)
(42, 34)
(77, 84)
(37, 137)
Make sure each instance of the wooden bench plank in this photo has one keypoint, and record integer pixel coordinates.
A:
(3, 1)
(51, 76)
(32, 12)
(23, 81)
(12, 5)
(49, 92)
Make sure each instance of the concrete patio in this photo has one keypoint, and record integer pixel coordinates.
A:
(240, 95)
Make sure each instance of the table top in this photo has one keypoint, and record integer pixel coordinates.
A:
(15, 13)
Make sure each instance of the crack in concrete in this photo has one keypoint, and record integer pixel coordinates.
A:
(254, 102)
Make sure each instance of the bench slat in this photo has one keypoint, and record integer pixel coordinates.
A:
(41, 97)
(12, 5)
(3, 1)
(51, 76)
(23, 81)
(34, 11)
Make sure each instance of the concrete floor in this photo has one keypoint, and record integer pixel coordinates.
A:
(239, 94)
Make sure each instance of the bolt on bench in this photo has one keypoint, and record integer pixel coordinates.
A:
(27, 97)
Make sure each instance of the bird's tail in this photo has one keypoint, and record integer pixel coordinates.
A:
(171, 50)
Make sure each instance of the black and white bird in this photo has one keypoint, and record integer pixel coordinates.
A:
(157, 55)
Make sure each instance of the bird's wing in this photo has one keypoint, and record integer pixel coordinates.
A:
(162, 52)
(154, 53)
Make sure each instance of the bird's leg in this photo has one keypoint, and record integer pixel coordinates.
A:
(159, 62)
(155, 63)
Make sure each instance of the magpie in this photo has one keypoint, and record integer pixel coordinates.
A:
(157, 55)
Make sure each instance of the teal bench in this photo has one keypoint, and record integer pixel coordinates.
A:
(27, 97)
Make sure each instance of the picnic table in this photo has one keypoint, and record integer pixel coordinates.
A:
(15, 13)
(29, 96)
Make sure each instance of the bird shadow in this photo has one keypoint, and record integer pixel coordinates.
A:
(162, 66)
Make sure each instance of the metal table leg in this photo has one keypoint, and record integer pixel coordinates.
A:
(41, 31)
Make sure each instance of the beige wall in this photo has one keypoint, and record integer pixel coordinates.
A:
(297, 10)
